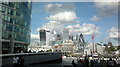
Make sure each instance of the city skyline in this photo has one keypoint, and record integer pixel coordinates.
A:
(98, 18)
(62, 33)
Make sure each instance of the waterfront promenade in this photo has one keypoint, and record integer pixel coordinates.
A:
(66, 62)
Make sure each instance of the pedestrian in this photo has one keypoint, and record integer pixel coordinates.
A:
(30, 51)
(73, 63)
(111, 63)
(15, 61)
(116, 58)
(21, 62)
(78, 59)
(103, 63)
(91, 63)
(86, 62)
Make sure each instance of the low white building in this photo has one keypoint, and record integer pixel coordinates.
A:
(35, 47)
(66, 46)
(97, 48)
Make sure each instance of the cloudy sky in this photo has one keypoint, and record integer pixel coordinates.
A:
(90, 18)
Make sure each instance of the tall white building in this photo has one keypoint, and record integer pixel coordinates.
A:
(65, 34)
(48, 37)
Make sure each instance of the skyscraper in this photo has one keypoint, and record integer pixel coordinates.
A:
(42, 34)
(82, 42)
(65, 34)
(44, 37)
(71, 37)
(15, 24)
(58, 37)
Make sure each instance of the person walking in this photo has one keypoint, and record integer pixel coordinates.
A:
(15, 61)
(86, 61)
(73, 63)
(103, 63)
(91, 63)
(111, 63)
(21, 62)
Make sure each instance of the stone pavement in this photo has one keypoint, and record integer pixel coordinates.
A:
(65, 63)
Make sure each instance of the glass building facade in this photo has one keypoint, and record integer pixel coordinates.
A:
(15, 26)
(42, 34)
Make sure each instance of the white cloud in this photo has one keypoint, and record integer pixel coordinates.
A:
(106, 9)
(64, 13)
(85, 29)
(113, 33)
(106, 0)
(95, 18)
(64, 17)
(54, 26)
(57, 8)
(57, 28)
(34, 36)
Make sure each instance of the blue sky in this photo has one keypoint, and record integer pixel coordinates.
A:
(102, 15)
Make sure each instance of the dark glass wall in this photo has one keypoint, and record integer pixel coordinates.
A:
(16, 23)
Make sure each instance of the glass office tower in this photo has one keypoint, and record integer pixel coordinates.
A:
(42, 33)
(15, 26)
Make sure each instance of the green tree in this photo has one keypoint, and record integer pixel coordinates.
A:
(109, 49)
(50, 50)
(118, 47)
(112, 48)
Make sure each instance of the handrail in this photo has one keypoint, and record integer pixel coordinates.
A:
(23, 54)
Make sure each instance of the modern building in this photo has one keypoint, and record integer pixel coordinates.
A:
(71, 38)
(68, 47)
(15, 26)
(89, 50)
(65, 34)
(58, 37)
(80, 41)
(44, 37)
(42, 34)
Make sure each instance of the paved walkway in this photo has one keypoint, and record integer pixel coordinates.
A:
(66, 63)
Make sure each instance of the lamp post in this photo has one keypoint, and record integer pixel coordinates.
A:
(93, 43)
(117, 53)
(93, 37)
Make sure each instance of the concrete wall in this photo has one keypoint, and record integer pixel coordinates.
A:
(31, 58)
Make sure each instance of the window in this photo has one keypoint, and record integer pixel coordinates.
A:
(0, 8)
(11, 4)
(10, 12)
(5, 18)
(9, 27)
(4, 26)
(17, 5)
(3, 9)
(6, 35)
(14, 35)
(16, 29)
(17, 13)
(11, 20)
(8, 19)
